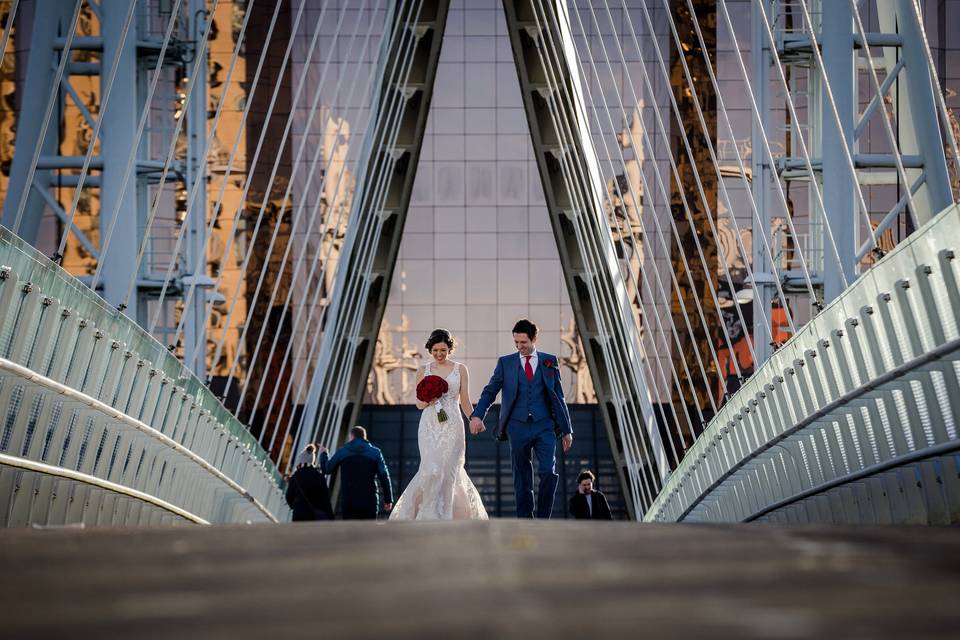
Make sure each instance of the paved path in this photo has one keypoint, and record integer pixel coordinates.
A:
(502, 579)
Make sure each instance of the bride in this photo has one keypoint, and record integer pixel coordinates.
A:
(441, 489)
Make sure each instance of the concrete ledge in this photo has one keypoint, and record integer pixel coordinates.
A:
(502, 579)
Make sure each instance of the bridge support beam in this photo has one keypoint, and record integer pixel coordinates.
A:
(913, 135)
(839, 184)
(50, 20)
(573, 188)
(398, 117)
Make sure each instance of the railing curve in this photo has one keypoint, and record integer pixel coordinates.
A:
(86, 390)
(855, 418)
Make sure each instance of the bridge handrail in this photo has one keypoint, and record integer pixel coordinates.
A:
(25, 374)
(100, 483)
(753, 419)
(33, 268)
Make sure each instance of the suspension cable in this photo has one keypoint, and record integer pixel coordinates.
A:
(269, 186)
(310, 225)
(371, 201)
(195, 187)
(190, 360)
(52, 101)
(296, 218)
(88, 156)
(135, 147)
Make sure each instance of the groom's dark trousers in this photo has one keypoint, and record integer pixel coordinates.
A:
(527, 438)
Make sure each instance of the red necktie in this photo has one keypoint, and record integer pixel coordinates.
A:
(528, 369)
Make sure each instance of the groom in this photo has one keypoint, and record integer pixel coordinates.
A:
(532, 415)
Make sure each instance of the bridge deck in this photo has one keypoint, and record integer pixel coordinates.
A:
(493, 580)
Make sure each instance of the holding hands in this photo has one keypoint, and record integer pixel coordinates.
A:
(476, 426)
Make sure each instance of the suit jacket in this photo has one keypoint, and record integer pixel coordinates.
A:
(360, 465)
(580, 510)
(506, 379)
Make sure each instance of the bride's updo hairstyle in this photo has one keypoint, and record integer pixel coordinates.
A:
(438, 336)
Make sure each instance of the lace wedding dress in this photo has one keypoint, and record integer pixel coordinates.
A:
(441, 489)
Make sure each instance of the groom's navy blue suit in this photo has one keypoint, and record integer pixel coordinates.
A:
(532, 414)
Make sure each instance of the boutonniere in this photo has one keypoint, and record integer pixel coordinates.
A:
(549, 364)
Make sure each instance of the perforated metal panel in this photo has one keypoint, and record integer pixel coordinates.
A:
(853, 420)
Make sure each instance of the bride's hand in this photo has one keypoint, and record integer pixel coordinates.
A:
(476, 425)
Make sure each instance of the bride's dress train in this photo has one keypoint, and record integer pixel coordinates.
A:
(441, 489)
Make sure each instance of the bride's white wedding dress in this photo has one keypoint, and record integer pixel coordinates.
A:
(441, 489)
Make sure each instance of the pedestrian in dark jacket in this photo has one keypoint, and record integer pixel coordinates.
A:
(361, 465)
(588, 504)
(307, 491)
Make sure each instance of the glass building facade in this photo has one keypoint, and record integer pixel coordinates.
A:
(478, 252)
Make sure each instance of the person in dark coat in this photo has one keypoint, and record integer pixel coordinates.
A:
(588, 504)
(307, 491)
(361, 465)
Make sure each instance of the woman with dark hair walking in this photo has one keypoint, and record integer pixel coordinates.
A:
(441, 489)
(307, 491)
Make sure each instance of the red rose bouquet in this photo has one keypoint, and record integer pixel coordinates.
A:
(431, 389)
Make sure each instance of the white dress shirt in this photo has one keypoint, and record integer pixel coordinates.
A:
(589, 498)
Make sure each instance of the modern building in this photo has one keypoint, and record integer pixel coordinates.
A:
(478, 251)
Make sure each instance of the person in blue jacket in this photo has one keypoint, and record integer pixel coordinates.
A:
(533, 416)
(361, 465)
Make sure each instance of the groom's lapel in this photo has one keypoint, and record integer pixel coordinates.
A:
(542, 370)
